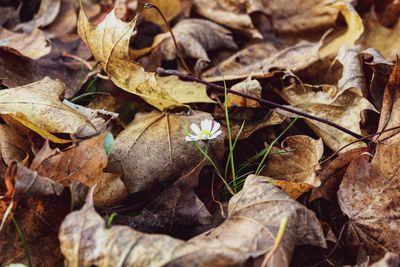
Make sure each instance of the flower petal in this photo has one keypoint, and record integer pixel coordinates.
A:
(206, 125)
(195, 128)
(215, 128)
(215, 135)
(191, 138)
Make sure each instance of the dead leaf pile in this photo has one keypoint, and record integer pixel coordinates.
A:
(200, 133)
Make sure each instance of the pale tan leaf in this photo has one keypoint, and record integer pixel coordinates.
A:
(333, 104)
(170, 10)
(32, 45)
(355, 29)
(259, 59)
(255, 212)
(298, 161)
(249, 87)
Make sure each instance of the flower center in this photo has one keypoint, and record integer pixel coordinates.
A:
(205, 134)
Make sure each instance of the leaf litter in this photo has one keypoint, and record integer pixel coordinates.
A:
(97, 100)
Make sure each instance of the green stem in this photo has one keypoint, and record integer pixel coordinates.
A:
(261, 165)
(23, 240)
(87, 94)
(228, 126)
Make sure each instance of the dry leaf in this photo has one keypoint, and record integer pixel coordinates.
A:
(370, 191)
(170, 10)
(369, 195)
(47, 13)
(17, 71)
(13, 146)
(32, 45)
(176, 207)
(112, 51)
(355, 29)
(83, 162)
(23, 182)
(331, 103)
(38, 107)
(258, 60)
(389, 260)
(249, 87)
(385, 40)
(66, 20)
(195, 37)
(255, 212)
(227, 13)
(153, 149)
(390, 111)
(353, 74)
(295, 168)
(331, 175)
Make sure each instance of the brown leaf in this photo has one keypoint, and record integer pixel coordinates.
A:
(83, 162)
(255, 212)
(23, 182)
(390, 108)
(153, 149)
(369, 195)
(13, 146)
(331, 175)
(195, 37)
(112, 51)
(385, 40)
(295, 168)
(32, 45)
(47, 13)
(175, 207)
(286, 16)
(259, 59)
(389, 260)
(249, 87)
(66, 20)
(17, 71)
(333, 104)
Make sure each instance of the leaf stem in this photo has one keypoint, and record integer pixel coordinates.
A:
(178, 50)
(268, 103)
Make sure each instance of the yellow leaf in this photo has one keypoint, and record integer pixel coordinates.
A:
(109, 44)
(355, 29)
(38, 107)
(170, 9)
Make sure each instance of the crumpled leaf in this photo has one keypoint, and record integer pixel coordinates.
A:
(389, 260)
(112, 51)
(32, 45)
(353, 74)
(370, 191)
(295, 168)
(331, 175)
(17, 71)
(255, 212)
(13, 146)
(249, 87)
(195, 37)
(47, 13)
(385, 40)
(286, 16)
(83, 162)
(174, 208)
(355, 29)
(257, 61)
(331, 103)
(65, 22)
(23, 182)
(153, 149)
(37, 106)
(170, 10)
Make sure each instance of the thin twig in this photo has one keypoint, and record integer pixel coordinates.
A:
(268, 103)
(178, 50)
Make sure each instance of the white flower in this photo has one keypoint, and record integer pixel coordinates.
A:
(207, 131)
